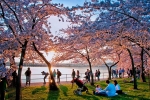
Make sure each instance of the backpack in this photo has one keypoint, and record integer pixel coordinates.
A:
(59, 73)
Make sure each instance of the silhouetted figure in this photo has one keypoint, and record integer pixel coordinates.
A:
(14, 74)
(73, 74)
(45, 76)
(28, 76)
(58, 76)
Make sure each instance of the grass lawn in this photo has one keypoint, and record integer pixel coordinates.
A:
(66, 92)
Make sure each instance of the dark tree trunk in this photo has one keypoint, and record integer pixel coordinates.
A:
(18, 84)
(142, 67)
(109, 68)
(92, 79)
(52, 83)
(109, 73)
(134, 74)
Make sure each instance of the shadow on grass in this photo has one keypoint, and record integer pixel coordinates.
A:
(9, 95)
(86, 97)
(38, 90)
(53, 95)
(64, 89)
(128, 97)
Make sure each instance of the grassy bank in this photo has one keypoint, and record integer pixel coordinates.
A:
(66, 92)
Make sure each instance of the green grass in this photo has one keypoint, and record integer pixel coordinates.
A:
(66, 92)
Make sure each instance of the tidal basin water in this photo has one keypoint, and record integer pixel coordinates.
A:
(36, 75)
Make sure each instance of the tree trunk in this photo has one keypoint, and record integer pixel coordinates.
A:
(52, 83)
(18, 84)
(109, 72)
(92, 79)
(134, 74)
(109, 68)
(142, 67)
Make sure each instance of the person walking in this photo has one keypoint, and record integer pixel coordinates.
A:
(28, 76)
(45, 76)
(58, 76)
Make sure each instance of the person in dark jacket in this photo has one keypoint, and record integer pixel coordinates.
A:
(45, 75)
(28, 76)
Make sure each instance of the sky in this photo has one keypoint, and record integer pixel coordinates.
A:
(56, 25)
(70, 3)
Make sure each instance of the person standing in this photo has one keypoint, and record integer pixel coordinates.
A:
(28, 76)
(123, 71)
(87, 73)
(58, 76)
(138, 73)
(128, 73)
(78, 75)
(54, 74)
(131, 73)
(73, 74)
(120, 73)
(14, 74)
(98, 74)
(116, 73)
(45, 76)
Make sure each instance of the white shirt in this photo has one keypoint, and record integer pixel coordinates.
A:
(98, 89)
(117, 87)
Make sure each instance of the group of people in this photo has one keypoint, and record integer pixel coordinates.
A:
(137, 71)
(116, 72)
(129, 72)
(58, 73)
(110, 90)
(75, 74)
(88, 75)
(28, 76)
(97, 74)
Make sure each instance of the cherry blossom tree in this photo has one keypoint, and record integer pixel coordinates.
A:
(75, 47)
(26, 22)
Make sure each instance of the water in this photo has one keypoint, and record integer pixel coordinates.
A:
(36, 75)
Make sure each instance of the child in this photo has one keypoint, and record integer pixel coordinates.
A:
(97, 90)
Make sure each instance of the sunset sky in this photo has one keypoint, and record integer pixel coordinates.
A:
(56, 25)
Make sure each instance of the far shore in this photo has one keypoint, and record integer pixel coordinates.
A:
(57, 65)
